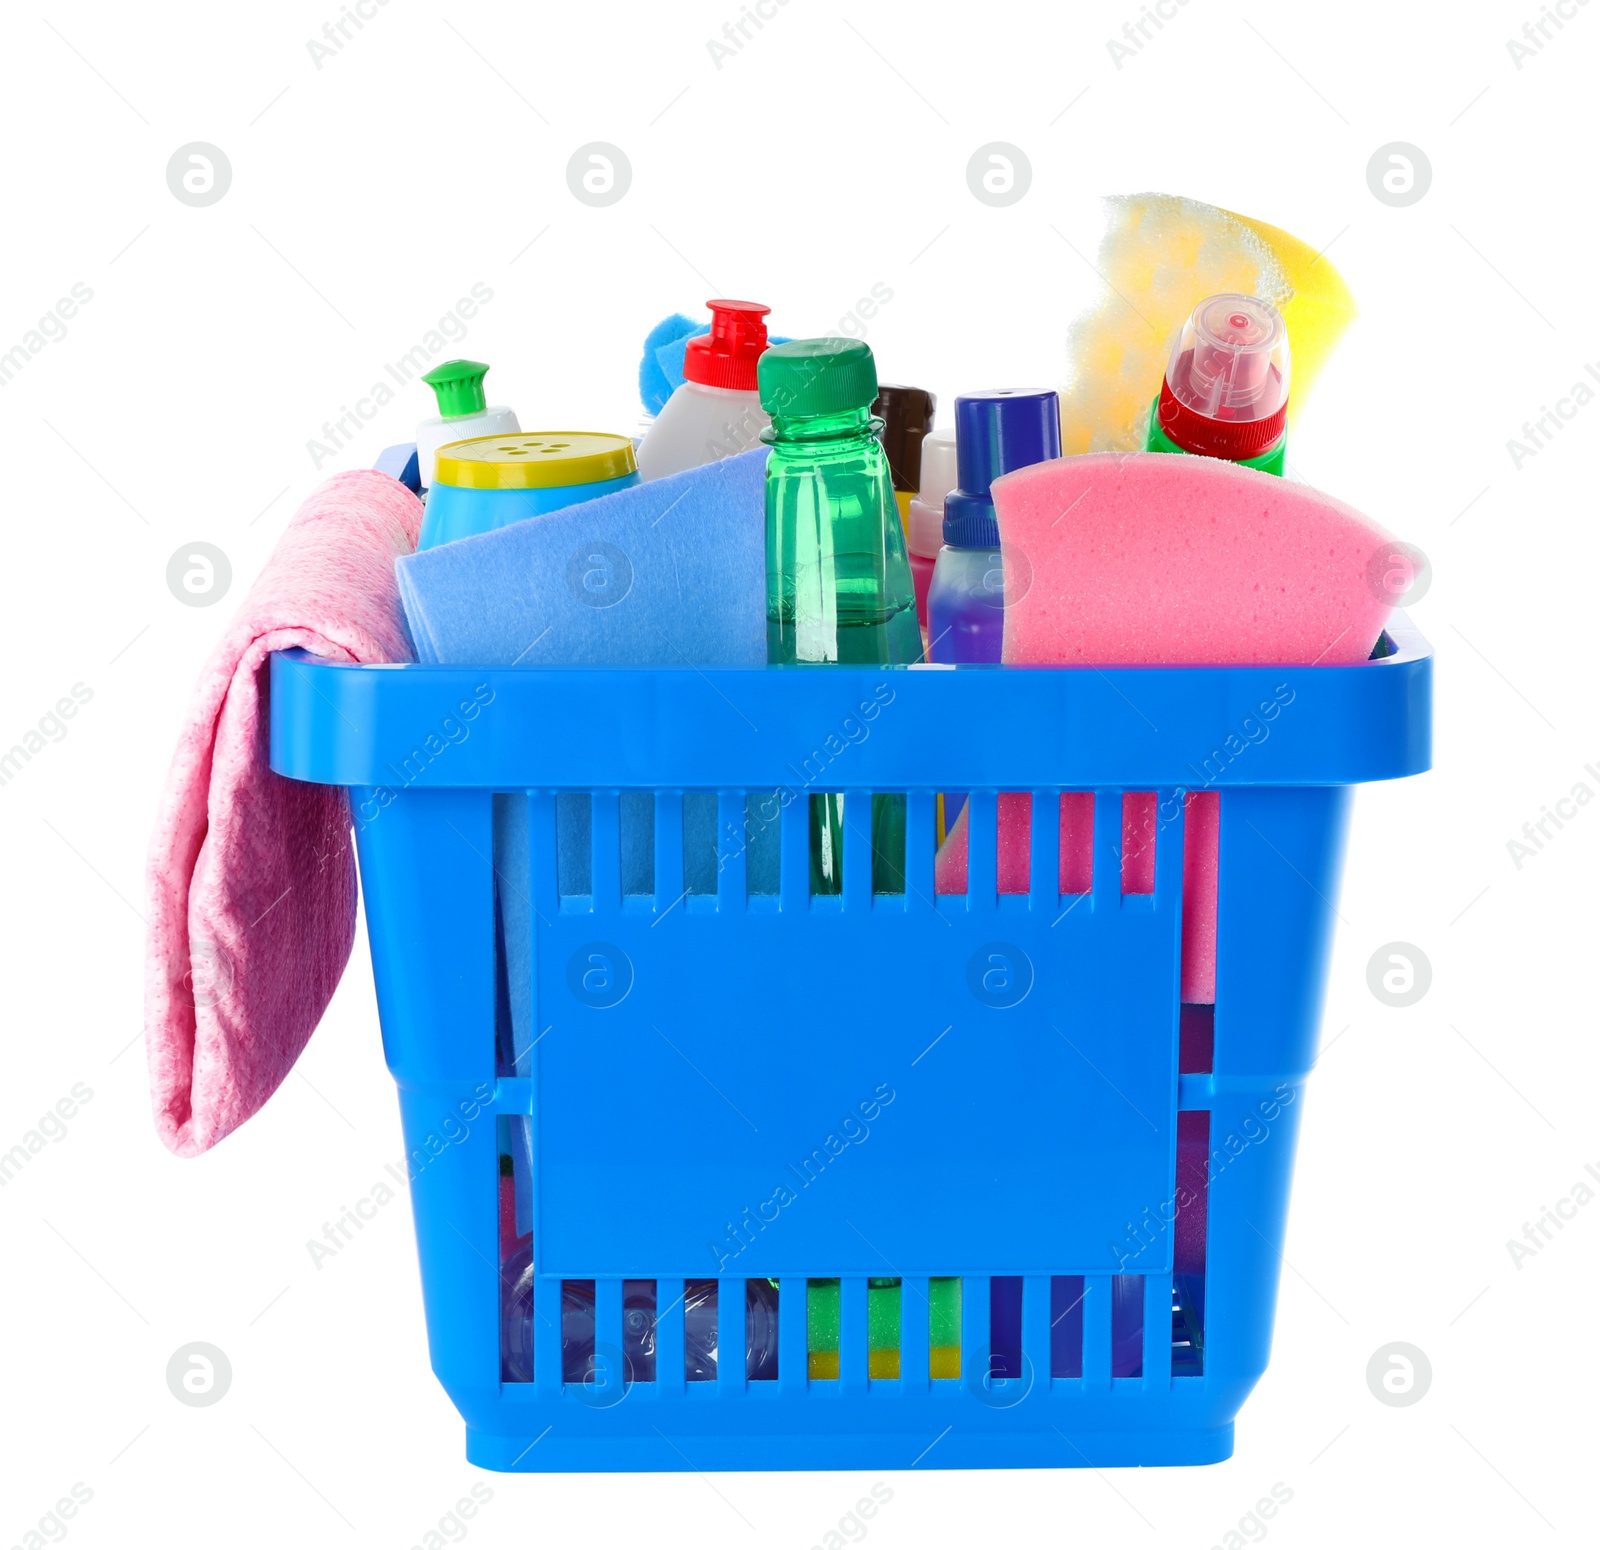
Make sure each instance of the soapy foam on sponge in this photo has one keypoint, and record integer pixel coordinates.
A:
(1143, 558)
(1160, 257)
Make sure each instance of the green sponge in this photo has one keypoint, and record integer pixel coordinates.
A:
(883, 1327)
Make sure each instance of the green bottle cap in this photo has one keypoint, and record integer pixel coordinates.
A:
(817, 376)
(458, 385)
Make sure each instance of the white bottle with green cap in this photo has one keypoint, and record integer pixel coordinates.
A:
(458, 386)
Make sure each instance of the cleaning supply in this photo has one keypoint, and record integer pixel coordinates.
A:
(925, 515)
(883, 1327)
(700, 1321)
(661, 361)
(669, 573)
(944, 1327)
(1226, 390)
(886, 1312)
(1160, 255)
(580, 1362)
(907, 414)
(1142, 558)
(234, 983)
(717, 411)
(490, 482)
(510, 1238)
(838, 581)
(400, 462)
(463, 413)
(995, 433)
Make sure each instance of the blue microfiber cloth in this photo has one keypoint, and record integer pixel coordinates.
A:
(667, 573)
(400, 462)
(661, 365)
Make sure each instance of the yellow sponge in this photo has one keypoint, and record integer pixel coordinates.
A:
(1161, 256)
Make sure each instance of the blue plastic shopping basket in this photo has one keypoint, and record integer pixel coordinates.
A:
(786, 1088)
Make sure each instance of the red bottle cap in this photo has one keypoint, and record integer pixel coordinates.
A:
(1226, 391)
(1235, 440)
(727, 356)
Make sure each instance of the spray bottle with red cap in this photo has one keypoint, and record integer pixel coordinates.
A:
(1226, 391)
(717, 411)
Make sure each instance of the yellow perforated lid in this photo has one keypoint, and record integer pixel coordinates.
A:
(535, 460)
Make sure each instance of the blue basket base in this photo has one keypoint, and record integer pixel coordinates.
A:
(551, 1452)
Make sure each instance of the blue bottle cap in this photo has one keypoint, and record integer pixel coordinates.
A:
(995, 433)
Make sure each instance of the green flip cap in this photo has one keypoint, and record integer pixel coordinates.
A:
(458, 385)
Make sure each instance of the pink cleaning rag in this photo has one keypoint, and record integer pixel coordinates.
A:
(251, 880)
(1136, 558)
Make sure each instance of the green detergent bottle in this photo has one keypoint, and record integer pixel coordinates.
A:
(839, 584)
(1226, 391)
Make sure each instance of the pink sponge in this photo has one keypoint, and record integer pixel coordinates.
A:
(1150, 557)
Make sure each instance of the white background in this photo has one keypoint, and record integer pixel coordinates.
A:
(828, 155)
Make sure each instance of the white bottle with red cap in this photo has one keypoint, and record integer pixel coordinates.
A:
(717, 410)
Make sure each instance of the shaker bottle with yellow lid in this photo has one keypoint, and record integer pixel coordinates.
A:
(491, 481)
